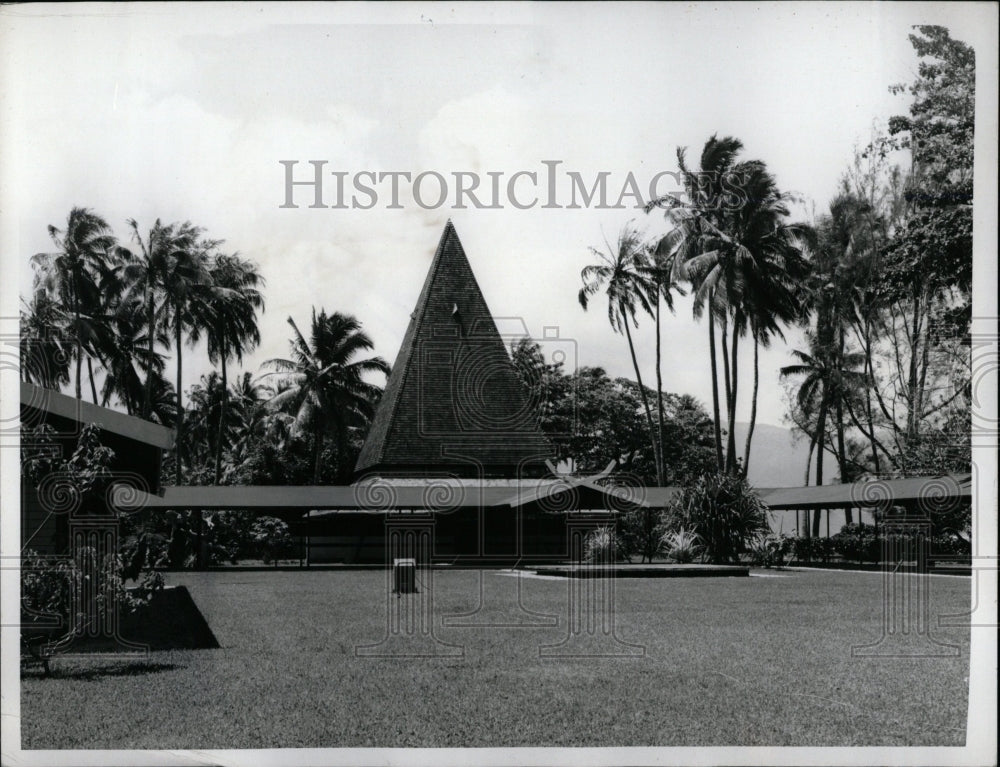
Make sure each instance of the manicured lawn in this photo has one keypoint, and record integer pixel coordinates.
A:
(728, 661)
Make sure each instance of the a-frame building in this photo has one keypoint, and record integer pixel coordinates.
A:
(454, 405)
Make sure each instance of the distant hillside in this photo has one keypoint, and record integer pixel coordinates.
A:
(776, 460)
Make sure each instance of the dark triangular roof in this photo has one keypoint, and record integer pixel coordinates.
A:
(453, 403)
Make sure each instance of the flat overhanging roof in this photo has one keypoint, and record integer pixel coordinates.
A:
(377, 497)
(437, 497)
(81, 411)
(445, 496)
(932, 491)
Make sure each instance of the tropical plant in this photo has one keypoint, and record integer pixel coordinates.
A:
(322, 385)
(125, 356)
(725, 513)
(681, 546)
(858, 542)
(601, 546)
(51, 590)
(271, 538)
(640, 533)
(770, 550)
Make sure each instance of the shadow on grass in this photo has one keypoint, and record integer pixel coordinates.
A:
(132, 668)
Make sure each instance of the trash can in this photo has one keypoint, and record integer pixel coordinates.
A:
(404, 572)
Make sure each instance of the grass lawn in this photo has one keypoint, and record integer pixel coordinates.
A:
(728, 661)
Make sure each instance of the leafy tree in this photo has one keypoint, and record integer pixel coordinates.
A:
(923, 294)
(594, 419)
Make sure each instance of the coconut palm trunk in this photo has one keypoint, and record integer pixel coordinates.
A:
(731, 436)
(318, 450)
(645, 398)
(90, 373)
(753, 402)
(821, 448)
(715, 390)
(180, 403)
(661, 469)
(79, 345)
(147, 401)
(222, 415)
(869, 385)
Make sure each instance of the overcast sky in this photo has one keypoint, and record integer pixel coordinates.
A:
(183, 112)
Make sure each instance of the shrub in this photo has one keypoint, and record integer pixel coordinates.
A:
(681, 545)
(271, 538)
(770, 550)
(51, 586)
(809, 549)
(950, 545)
(601, 545)
(640, 533)
(725, 513)
(858, 542)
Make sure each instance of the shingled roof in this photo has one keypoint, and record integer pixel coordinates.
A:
(453, 403)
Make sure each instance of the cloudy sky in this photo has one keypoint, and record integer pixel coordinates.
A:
(183, 112)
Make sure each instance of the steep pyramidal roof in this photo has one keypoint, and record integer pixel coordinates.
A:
(453, 403)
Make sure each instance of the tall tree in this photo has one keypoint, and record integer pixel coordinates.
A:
(731, 240)
(696, 217)
(826, 378)
(622, 272)
(232, 325)
(73, 273)
(323, 387)
(186, 283)
(920, 303)
(147, 271)
(660, 275)
(45, 344)
(125, 352)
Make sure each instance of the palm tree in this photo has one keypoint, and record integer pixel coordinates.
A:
(72, 274)
(207, 401)
(622, 273)
(124, 351)
(147, 271)
(322, 386)
(232, 324)
(248, 397)
(772, 270)
(659, 272)
(186, 283)
(45, 344)
(698, 250)
(730, 240)
(851, 238)
(826, 379)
